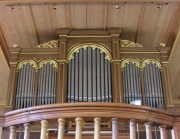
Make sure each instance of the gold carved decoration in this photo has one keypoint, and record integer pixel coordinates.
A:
(133, 61)
(16, 45)
(153, 61)
(50, 44)
(37, 64)
(77, 47)
(140, 64)
(50, 61)
(127, 43)
(24, 62)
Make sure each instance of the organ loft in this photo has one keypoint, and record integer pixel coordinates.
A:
(76, 71)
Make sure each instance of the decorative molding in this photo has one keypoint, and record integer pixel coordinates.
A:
(77, 47)
(133, 61)
(127, 43)
(153, 61)
(37, 64)
(141, 63)
(24, 62)
(46, 61)
(50, 44)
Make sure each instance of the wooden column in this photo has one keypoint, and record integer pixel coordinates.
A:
(61, 127)
(97, 122)
(175, 132)
(165, 76)
(163, 133)
(12, 78)
(12, 134)
(166, 84)
(115, 130)
(26, 131)
(132, 126)
(148, 130)
(79, 125)
(1, 132)
(44, 125)
(62, 71)
(116, 70)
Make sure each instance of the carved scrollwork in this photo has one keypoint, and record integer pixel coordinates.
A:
(127, 43)
(50, 44)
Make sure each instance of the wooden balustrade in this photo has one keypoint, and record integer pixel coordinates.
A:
(83, 112)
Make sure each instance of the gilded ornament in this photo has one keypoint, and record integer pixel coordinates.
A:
(50, 44)
(48, 61)
(133, 61)
(153, 61)
(141, 63)
(77, 47)
(127, 43)
(24, 62)
(162, 44)
(16, 45)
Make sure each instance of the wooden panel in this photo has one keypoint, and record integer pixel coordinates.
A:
(25, 26)
(58, 17)
(115, 16)
(4, 75)
(78, 16)
(42, 22)
(95, 16)
(132, 15)
(174, 67)
(149, 23)
(166, 23)
(8, 26)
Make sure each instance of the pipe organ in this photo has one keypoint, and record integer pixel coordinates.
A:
(30, 92)
(89, 67)
(131, 80)
(89, 76)
(152, 95)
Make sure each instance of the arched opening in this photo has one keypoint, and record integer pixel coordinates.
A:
(89, 74)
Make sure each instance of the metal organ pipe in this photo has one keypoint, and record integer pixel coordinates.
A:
(25, 86)
(47, 84)
(131, 82)
(153, 85)
(89, 75)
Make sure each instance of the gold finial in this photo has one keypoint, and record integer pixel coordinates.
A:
(162, 44)
(16, 45)
(127, 43)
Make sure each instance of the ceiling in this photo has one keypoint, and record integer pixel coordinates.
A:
(149, 23)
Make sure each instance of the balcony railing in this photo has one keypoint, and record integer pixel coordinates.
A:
(83, 113)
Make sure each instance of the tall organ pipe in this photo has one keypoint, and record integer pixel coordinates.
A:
(131, 82)
(89, 76)
(153, 86)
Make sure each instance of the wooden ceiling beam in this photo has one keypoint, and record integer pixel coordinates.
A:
(80, 1)
(4, 47)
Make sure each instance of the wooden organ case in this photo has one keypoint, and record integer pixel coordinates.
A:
(89, 66)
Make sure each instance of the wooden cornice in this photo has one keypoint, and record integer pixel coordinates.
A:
(89, 110)
(80, 1)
